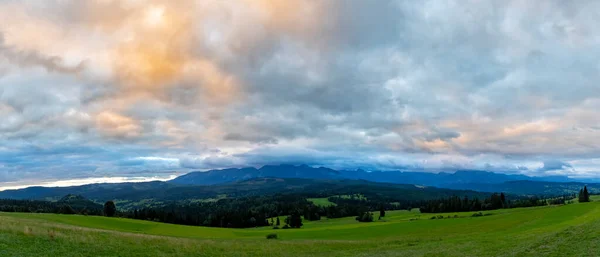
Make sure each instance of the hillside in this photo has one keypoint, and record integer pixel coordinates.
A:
(569, 230)
(138, 194)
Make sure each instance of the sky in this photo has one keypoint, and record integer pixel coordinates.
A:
(135, 90)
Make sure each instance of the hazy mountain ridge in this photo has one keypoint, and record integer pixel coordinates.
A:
(273, 179)
(403, 177)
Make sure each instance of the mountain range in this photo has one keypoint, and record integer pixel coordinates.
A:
(271, 179)
(461, 179)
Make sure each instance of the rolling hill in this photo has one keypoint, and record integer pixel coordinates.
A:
(168, 192)
(568, 230)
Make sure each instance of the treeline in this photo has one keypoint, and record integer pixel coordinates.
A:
(34, 206)
(494, 202)
(372, 203)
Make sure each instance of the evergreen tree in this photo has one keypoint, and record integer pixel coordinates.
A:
(580, 196)
(110, 209)
(278, 223)
(294, 220)
(586, 195)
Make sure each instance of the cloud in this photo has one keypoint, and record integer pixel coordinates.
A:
(555, 165)
(91, 88)
(33, 58)
(115, 125)
(79, 182)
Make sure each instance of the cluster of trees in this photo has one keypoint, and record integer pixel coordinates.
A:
(365, 217)
(293, 221)
(584, 195)
(371, 203)
(313, 212)
(457, 204)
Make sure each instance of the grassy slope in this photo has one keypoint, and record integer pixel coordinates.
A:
(321, 201)
(571, 230)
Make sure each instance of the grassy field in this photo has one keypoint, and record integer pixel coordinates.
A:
(321, 201)
(570, 230)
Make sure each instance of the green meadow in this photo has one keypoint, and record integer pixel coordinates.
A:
(569, 230)
(321, 201)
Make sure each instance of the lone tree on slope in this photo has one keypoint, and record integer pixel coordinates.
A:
(586, 194)
(110, 209)
(381, 212)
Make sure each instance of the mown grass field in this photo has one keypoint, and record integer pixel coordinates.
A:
(570, 230)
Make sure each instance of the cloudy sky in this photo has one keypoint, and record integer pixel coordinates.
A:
(138, 90)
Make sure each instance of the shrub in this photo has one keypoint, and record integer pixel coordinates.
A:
(286, 226)
(478, 214)
(440, 217)
(432, 217)
(272, 236)
(365, 217)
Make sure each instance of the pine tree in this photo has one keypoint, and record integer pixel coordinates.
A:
(586, 195)
(278, 223)
(580, 196)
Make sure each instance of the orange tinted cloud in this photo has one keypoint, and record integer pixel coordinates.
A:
(116, 125)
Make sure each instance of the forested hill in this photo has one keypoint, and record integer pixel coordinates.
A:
(163, 191)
